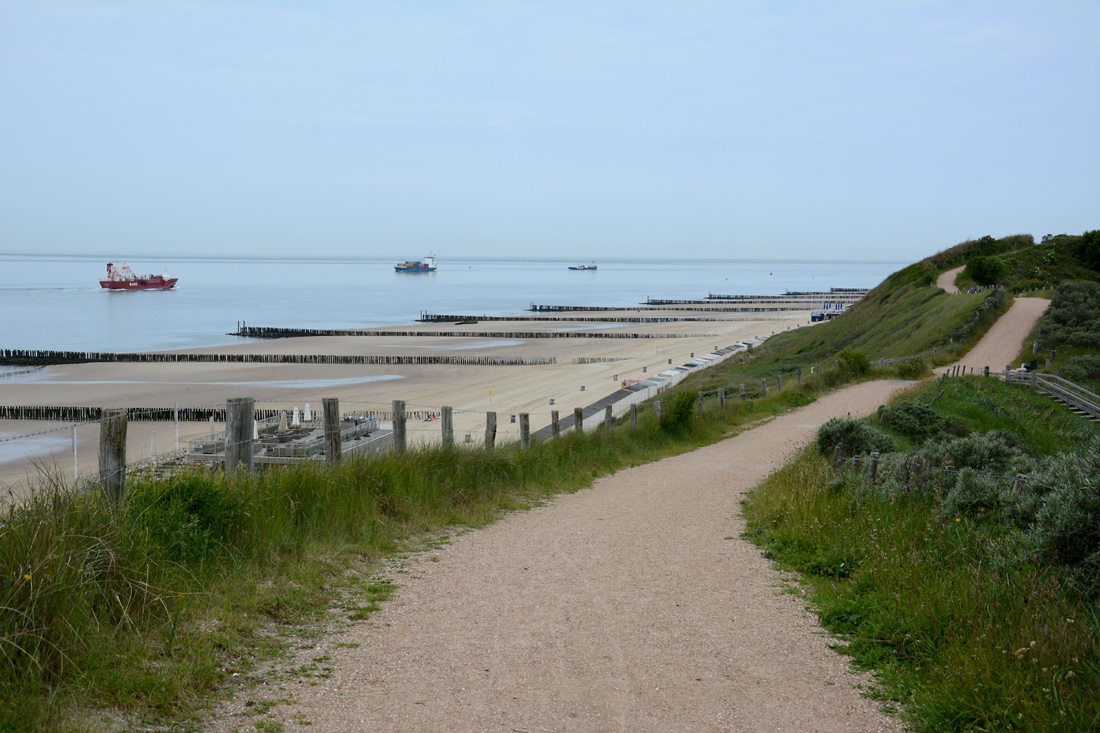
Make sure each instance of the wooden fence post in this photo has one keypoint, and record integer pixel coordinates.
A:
(555, 425)
(634, 416)
(1021, 479)
(838, 456)
(112, 454)
(798, 376)
(238, 434)
(607, 420)
(699, 403)
(446, 415)
(524, 430)
(721, 397)
(578, 419)
(742, 392)
(872, 468)
(399, 437)
(779, 382)
(657, 408)
(490, 430)
(334, 450)
(763, 388)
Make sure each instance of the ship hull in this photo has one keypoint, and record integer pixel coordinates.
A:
(142, 283)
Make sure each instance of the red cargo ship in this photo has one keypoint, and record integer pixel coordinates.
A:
(121, 277)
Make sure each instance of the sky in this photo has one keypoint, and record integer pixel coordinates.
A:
(585, 130)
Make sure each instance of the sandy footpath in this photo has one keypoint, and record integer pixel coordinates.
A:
(633, 605)
(946, 281)
(1001, 344)
(629, 606)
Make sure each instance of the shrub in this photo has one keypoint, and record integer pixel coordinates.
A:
(1088, 248)
(856, 436)
(986, 270)
(1073, 317)
(914, 368)
(996, 450)
(1066, 524)
(678, 414)
(853, 363)
(914, 420)
(1082, 368)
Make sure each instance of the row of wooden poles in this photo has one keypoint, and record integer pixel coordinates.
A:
(35, 356)
(438, 318)
(240, 415)
(273, 332)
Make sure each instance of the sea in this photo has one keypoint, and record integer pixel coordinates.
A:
(56, 303)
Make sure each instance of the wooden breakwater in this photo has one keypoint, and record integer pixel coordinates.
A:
(831, 293)
(37, 357)
(79, 414)
(267, 332)
(438, 318)
(684, 306)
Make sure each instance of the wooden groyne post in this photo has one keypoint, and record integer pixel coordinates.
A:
(399, 426)
(112, 455)
(446, 416)
(524, 430)
(490, 430)
(239, 424)
(333, 447)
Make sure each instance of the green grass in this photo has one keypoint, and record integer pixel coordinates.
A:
(142, 615)
(964, 631)
(904, 316)
(148, 611)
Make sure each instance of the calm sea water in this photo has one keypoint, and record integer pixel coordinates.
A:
(56, 303)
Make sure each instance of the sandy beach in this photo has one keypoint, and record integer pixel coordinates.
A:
(470, 390)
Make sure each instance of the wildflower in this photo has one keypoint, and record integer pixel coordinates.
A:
(27, 576)
(957, 519)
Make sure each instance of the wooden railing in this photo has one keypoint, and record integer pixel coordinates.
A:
(1072, 394)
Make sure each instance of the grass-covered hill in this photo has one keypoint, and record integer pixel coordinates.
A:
(906, 315)
(136, 616)
(1019, 263)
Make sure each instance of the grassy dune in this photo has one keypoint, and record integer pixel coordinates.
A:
(138, 616)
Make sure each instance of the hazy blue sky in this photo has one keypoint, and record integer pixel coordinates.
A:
(855, 130)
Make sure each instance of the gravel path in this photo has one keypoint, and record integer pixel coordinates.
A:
(629, 606)
(946, 281)
(632, 605)
(1000, 346)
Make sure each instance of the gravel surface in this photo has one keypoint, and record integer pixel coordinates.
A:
(633, 605)
(629, 606)
(946, 281)
(1000, 346)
